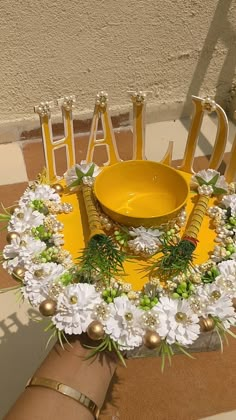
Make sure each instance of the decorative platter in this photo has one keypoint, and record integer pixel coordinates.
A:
(127, 287)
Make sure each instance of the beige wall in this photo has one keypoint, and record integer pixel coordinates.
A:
(174, 48)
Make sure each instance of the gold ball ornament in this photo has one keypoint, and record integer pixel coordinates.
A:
(48, 307)
(58, 188)
(151, 340)
(207, 324)
(12, 235)
(18, 273)
(95, 330)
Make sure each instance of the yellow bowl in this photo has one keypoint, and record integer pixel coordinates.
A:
(140, 192)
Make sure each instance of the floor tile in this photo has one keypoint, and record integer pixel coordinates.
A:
(158, 136)
(12, 167)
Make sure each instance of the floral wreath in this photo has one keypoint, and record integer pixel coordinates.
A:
(180, 299)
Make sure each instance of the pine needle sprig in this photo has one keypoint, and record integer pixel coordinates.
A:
(175, 258)
(103, 256)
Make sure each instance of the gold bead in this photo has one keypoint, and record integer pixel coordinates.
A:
(181, 317)
(12, 235)
(128, 316)
(39, 273)
(95, 330)
(151, 340)
(207, 324)
(48, 307)
(216, 294)
(73, 300)
(58, 188)
(18, 273)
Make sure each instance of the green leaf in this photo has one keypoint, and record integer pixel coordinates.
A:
(219, 191)
(50, 338)
(121, 358)
(183, 350)
(59, 336)
(75, 183)
(49, 327)
(79, 173)
(90, 171)
(220, 339)
(4, 217)
(200, 180)
(214, 180)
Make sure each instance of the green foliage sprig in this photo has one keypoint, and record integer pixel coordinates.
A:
(175, 258)
(102, 256)
(107, 344)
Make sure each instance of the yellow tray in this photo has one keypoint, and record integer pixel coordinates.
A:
(76, 235)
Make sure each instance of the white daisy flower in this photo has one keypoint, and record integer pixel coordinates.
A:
(41, 192)
(75, 308)
(156, 320)
(226, 281)
(124, 323)
(71, 175)
(21, 250)
(38, 280)
(9, 265)
(146, 240)
(229, 201)
(12, 250)
(216, 302)
(30, 248)
(25, 218)
(182, 323)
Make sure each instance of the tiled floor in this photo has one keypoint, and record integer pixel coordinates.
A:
(189, 390)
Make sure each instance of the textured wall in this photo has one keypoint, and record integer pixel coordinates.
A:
(174, 48)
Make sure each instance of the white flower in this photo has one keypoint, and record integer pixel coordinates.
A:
(226, 281)
(38, 280)
(229, 201)
(21, 250)
(124, 323)
(181, 322)
(71, 175)
(57, 239)
(206, 175)
(25, 218)
(216, 301)
(156, 320)
(9, 265)
(146, 240)
(41, 192)
(75, 307)
(12, 250)
(30, 248)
